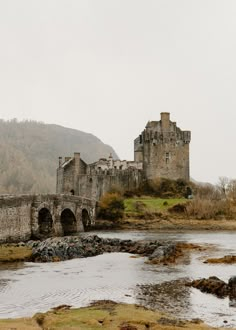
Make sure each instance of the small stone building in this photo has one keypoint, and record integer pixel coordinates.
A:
(160, 151)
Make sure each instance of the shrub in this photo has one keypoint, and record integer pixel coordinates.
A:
(208, 209)
(111, 206)
(166, 188)
(116, 189)
(129, 193)
(139, 206)
(177, 208)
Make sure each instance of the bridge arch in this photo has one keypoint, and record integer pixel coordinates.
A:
(45, 223)
(86, 220)
(68, 222)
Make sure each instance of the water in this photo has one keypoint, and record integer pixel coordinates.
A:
(27, 288)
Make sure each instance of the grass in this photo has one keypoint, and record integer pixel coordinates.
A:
(224, 260)
(10, 253)
(152, 204)
(105, 315)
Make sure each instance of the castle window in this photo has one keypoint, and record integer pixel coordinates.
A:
(167, 157)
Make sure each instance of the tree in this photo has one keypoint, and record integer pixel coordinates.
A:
(232, 190)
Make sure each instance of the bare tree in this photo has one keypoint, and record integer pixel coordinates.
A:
(222, 185)
(232, 189)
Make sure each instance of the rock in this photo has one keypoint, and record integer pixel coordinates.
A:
(232, 282)
(163, 253)
(157, 254)
(128, 327)
(232, 288)
(196, 321)
(212, 285)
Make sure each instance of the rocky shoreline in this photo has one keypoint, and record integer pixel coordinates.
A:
(69, 247)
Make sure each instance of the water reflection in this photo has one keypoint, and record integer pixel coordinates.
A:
(3, 284)
(11, 265)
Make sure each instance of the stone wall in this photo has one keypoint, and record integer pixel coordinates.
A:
(60, 180)
(15, 218)
(68, 177)
(172, 160)
(94, 186)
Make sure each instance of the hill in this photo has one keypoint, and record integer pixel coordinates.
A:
(29, 154)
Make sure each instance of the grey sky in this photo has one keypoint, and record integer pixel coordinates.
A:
(109, 66)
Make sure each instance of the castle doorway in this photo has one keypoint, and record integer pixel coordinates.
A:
(86, 219)
(68, 222)
(45, 223)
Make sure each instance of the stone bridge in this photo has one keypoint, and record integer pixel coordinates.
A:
(23, 217)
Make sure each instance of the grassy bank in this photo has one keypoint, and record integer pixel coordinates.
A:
(150, 213)
(140, 205)
(12, 252)
(105, 315)
(174, 224)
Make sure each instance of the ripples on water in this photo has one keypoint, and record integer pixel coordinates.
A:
(29, 288)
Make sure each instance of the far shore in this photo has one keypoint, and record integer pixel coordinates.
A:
(167, 224)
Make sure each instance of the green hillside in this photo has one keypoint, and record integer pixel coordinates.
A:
(29, 154)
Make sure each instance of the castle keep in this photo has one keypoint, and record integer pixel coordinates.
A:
(160, 151)
(163, 150)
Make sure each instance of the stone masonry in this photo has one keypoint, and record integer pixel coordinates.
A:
(23, 217)
(160, 151)
(163, 149)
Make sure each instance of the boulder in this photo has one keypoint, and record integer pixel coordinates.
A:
(163, 253)
(212, 285)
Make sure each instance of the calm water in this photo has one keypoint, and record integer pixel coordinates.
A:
(29, 288)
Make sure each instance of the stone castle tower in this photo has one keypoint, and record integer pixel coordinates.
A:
(160, 151)
(163, 148)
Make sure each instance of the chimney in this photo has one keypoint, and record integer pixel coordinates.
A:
(60, 161)
(77, 158)
(165, 121)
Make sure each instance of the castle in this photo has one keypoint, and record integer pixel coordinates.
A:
(160, 151)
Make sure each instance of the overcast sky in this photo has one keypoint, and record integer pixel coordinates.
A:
(108, 66)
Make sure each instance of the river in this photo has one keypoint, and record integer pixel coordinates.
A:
(27, 288)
